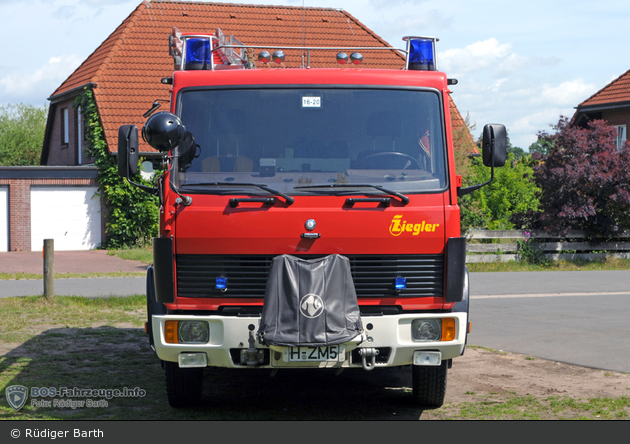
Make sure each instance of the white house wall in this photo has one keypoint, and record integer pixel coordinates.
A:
(4, 219)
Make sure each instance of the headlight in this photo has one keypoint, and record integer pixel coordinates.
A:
(425, 330)
(193, 332)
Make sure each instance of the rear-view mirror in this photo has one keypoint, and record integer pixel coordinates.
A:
(494, 145)
(128, 151)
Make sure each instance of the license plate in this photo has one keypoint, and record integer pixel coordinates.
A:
(331, 353)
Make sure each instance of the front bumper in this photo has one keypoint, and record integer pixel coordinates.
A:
(229, 335)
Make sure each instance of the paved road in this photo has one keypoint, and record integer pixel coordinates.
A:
(91, 287)
(549, 282)
(92, 261)
(574, 317)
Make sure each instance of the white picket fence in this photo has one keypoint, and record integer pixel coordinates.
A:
(566, 248)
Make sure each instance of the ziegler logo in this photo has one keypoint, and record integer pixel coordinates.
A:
(399, 226)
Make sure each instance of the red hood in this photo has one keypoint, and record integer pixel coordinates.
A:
(211, 226)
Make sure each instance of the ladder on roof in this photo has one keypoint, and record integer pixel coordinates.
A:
(226, 50)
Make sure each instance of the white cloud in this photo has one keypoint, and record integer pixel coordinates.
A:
(569, 93)
(477, 56)
(492, 56)
(523, 105)
(40, 84)
(513, 62)
(537, 121)
(496, 85)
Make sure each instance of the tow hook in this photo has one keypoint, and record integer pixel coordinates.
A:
(368, 354)
(252, 356)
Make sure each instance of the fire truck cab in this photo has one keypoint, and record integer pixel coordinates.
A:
(308, 217)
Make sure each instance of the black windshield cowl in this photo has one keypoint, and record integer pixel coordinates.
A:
(288, 199)
(404, 199)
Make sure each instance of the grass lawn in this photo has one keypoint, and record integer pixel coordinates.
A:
(115, 274)
(574, 265)
(142, 254)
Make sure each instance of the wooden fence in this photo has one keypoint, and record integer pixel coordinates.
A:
(569, 247)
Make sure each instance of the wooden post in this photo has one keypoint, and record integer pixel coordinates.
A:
(49, 268)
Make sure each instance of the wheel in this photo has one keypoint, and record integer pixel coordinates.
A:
(183, 385)
(388, 159)
(429, 384)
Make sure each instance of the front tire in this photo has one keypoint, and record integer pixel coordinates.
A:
(429, 385)
(183, 385)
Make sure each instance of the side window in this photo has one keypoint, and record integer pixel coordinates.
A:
(79, 137)
(65, 127)
(621, 135)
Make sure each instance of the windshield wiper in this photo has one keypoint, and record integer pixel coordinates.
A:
(289, 200)
(402, 197)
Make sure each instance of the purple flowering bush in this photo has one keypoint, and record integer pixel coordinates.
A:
(585, 181)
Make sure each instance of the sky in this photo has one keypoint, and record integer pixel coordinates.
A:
(522, 64)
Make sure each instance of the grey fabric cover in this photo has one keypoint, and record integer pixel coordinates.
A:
(309, 303)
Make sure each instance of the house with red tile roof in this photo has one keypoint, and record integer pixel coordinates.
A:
(612, 104)
(125, 71)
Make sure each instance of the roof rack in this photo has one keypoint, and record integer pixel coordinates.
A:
(218, 51)
(207, 51)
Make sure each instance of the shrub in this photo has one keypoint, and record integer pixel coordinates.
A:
(510, 192)
(585, 181)
(132, 214)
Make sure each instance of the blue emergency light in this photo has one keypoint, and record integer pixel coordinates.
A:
(401, 283)
(221, 283)
(197, 55)
(421, 53)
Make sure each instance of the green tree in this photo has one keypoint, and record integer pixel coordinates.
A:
(542, 146)
(22, 130)
(511, 191)
(519, 153)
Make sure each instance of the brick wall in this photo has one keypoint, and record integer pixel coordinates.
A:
(19, 215)
(61, 153)
(617, 117)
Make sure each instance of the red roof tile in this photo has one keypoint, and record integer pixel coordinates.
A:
(457, 121)
(128, 65)
(615, 92)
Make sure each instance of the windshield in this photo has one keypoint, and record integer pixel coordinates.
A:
(293, 138)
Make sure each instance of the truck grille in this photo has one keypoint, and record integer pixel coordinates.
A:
(373, 276)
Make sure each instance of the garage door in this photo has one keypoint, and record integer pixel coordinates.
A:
(4, 218)
(69, 215)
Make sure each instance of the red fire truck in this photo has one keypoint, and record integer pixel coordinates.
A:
(308, 217)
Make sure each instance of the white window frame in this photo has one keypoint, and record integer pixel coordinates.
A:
(79, 137)
(621, 135)
(65, 139)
